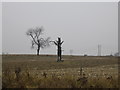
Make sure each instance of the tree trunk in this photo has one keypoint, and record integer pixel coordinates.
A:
(38, 50)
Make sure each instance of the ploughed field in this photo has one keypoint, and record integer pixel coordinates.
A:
(31, 71)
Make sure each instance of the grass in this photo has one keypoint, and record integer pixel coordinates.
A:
(44, 72)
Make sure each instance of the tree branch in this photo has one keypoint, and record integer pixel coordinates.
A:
(55, 43)
(33, 39)
(61, 42)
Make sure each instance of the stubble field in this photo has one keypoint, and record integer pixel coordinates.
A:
(31, 71)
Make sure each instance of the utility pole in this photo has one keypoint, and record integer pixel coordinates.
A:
(99, 50)
(71, 52)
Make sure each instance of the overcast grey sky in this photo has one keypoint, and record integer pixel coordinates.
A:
(0, 27)
(82, 26)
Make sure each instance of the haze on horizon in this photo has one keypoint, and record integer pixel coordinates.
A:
(82, 26)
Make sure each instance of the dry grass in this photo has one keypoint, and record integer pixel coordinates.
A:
(30, 71)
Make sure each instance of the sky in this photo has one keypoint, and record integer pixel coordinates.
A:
(119, 27)
(0, 27)
(81, 25)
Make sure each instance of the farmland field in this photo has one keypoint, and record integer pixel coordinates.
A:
(74, 72)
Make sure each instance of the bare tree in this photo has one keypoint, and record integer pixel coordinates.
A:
(37, 40)
(59, 51)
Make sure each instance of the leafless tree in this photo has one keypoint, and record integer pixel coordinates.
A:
(59, 51)
(37, 40)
